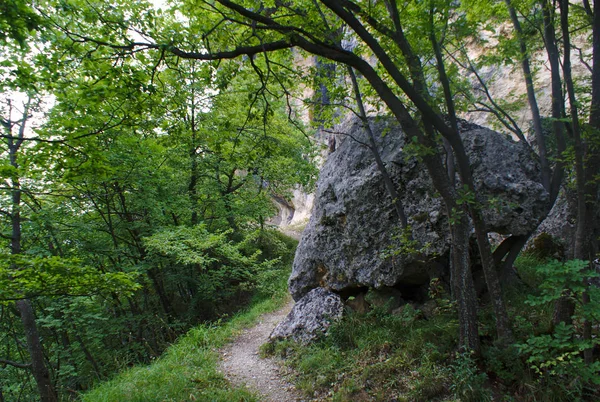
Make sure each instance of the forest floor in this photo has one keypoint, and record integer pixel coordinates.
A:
(242, 365)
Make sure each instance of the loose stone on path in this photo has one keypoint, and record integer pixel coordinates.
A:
(242, 364)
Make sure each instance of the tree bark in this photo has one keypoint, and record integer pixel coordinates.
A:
(87, 353)
(34, 346)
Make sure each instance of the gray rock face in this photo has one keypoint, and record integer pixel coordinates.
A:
(508, 175)
(352, 239)
(310, 317)
(560, 224)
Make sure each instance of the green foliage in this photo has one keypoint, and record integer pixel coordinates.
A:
(23, 276)
(404, 244)
(17, 20)
(557, 357)
(154, 170)
(561, 279)
(468, 383)
(414, 149)
(505, 363)
(142, 190)
(526, 265)
(271, 244)
(378, 356)
(194, 246)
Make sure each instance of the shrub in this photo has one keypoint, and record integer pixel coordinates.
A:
(468, 383)
(556, 357)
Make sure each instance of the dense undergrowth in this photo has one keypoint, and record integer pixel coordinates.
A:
(187, 370)
(412, 355)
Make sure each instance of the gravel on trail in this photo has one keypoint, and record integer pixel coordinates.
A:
(242, 365)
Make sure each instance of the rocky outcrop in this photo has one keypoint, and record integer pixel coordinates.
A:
(353, 239)
(311, 317)
(294, 211)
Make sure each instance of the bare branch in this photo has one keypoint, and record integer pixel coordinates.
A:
(15, 364)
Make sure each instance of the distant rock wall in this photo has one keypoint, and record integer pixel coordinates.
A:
(353, 235)
(295, 211)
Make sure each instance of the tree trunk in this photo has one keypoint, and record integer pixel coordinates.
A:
(564, 308)
(513, 252)
(581, 248)
(192, 188)
(38, 367)
(450, 108)
(531, 98)
(153, 273)
(464, 288)
(87, 353)
(34, 346)
(490, 273)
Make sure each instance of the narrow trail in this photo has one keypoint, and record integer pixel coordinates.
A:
(242, 364)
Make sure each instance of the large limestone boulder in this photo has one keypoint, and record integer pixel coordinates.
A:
(352, 239)
(310, 317)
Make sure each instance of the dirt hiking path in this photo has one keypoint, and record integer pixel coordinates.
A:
(242, 364)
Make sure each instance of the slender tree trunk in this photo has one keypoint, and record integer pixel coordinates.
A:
(512, 254)
(531, 98)
(194, 174)
(87, 353)
(487, 262)
(450, 163)
(34, 346)
(592, 184)
(490, 273)
(581, 234)
(592, 157)
(389, 184)
(192, 189)
(153, 273)
(595, 102)
(39, 370)
(136, 236)
(464, 288)
(462, 278)
(564, 308)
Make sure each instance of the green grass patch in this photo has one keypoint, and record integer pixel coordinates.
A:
(187, 371)
(376, 357)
